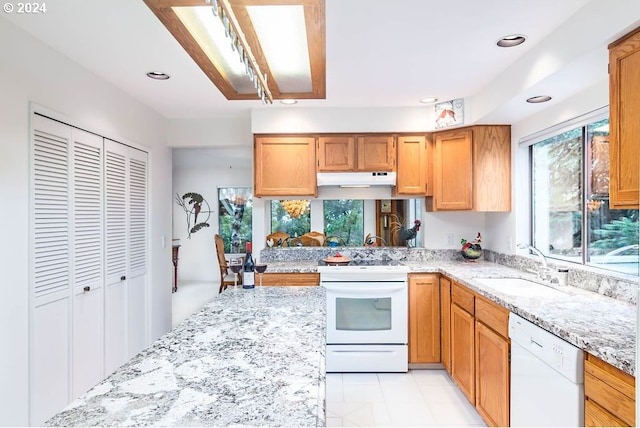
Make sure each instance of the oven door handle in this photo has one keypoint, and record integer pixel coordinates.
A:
(357, 289)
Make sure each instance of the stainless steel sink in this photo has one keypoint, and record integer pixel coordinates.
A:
(520, 287)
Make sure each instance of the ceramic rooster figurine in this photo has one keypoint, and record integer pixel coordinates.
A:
(409, 235)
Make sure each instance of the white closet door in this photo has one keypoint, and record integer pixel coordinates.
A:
(88, 297)
(116, 255)
(137, 277)
(49, 344)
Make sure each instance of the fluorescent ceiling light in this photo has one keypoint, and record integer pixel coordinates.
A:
(265, 31)
(283, 38)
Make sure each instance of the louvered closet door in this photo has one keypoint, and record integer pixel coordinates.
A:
(116, 208)
(88, 277)
(137, 228)
(50, 338)
(125, 253)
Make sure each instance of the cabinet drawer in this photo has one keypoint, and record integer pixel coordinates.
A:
(493, 315)
(463, 297)
(276, 278)
(610, 388)
(596, 416)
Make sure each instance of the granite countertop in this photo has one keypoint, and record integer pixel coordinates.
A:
(600, 325)
(249, 357)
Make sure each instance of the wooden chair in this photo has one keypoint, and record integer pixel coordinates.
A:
(226, 276)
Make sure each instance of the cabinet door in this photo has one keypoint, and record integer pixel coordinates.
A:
(116, 207)
(424, 319)
(285, 166)
(411, 179)
(376, 153)
(624, 138)
(88, 261)
(492, 168)
(445, 323)
(137, 250)
(492, 376)
(453, 170)
(336, 153)
(462, 351)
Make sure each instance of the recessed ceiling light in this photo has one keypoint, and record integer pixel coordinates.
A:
(158, 75)
(428, 100)
(511, 40)
(539, 99)
(288, 101)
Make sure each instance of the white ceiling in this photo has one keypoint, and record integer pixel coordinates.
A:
(379, 53)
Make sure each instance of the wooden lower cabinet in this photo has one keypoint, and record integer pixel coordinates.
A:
(424, 318)
(492, 375)
(276, 278)
(445, 323)
(479, 351)
(609, 395)
(462, 351)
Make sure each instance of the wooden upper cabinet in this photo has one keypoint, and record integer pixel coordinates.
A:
(411, 169)
(336, 153)
(285, 166)
(453, 170)
(472, 169)
(624, 126)
(375, 153)
(492, 168)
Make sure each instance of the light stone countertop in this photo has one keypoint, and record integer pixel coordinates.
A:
(600, 325)
(250, 357)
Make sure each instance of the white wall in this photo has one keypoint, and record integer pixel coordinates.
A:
(197, 255)
(32, 72)
(216, 131)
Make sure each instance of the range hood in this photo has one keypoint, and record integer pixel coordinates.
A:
(356, 179)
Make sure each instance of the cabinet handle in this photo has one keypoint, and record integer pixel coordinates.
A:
(122, 278)
(86, 288)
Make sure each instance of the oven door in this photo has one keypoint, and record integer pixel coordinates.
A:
(366, 312)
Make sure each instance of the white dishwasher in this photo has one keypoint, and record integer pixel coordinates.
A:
(547, 377)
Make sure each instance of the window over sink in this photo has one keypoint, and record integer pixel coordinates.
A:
(571, 216)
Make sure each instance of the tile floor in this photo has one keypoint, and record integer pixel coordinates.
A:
(416, 398)
(190, 298)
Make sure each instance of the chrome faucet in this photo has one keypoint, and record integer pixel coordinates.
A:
(543, 272)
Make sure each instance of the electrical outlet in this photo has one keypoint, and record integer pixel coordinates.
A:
(450, 242)
(510, 243)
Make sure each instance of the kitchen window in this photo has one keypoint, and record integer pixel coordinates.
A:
(235, 208)
(571, 218)
(344, 221)
(292, 216)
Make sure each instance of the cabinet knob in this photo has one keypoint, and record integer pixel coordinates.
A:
(122, 278)
(87, 288)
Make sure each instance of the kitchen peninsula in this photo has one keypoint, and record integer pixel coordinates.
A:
(249, 357)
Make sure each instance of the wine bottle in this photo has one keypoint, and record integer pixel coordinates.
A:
(248, 276)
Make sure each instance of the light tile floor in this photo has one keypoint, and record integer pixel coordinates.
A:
(416, 398)
(190, 298)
